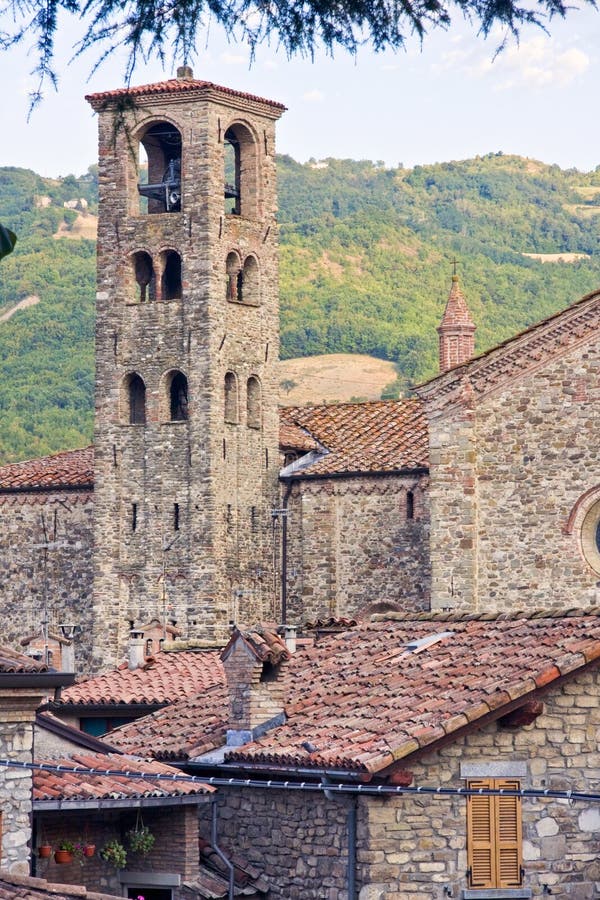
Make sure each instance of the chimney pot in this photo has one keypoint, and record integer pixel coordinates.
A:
(290, 637)
(185, 73)
(136, 656)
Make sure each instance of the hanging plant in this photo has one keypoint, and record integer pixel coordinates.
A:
(141, 839)
(115, 854)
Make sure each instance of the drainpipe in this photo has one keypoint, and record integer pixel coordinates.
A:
(220, 853)
(352, 810)
(284, 540)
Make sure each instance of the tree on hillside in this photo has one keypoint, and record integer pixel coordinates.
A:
(173, 28)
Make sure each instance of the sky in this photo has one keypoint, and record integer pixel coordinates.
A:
(449, 99)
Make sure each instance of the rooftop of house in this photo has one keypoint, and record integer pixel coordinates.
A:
(13, 663)
(68, 789)
(181, 85)
(24, 887)
(165, 677)
(72, 468)
(378, 436)
(385, 690)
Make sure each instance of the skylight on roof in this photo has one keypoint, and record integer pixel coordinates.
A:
(421, 644)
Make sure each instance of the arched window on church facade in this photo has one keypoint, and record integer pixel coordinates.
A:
(253, 403)
(171, 275)
(177, 396)
(159, 186)
(145, 280)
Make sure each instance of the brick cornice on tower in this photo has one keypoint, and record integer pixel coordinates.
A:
(456, 331)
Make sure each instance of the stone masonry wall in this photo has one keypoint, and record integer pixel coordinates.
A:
(350, 544)
(506, 473)
(66, 578)
(410, 849)
(17, 712)
(297, 840)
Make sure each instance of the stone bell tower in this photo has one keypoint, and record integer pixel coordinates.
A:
(187, 339)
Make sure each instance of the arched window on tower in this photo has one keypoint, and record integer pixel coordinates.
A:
(171, 276)
(178, 396)
(253, 402)
(135, 399)
(143, 270)
(233, 270)
(240, 172)
(231, 399)
(160, 169)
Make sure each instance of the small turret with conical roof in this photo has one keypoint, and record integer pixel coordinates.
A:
(456, 331)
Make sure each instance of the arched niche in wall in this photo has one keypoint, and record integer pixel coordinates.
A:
(234, 278)
(251, 281)
(253, 402)
(240, 177)
(230, 400)
(175, 396)
(143, 277)
(159, 183)
(133, 400)
(170, 282)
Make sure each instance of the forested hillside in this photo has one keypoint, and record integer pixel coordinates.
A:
(366, 260)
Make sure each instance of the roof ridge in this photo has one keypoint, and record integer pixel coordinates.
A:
(484, 616)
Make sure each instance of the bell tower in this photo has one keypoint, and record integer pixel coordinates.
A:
(187, 340)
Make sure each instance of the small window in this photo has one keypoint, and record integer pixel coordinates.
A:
(494, 835)
(234, 285)
(253, 402)
(178, 397)
(134, 516)
(143, 269)
(253, 520)
(410, 505)
(231, 399)
(176, 517)
(136, 399)
(171, 276)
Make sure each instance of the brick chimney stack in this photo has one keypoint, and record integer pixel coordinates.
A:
(456, 331)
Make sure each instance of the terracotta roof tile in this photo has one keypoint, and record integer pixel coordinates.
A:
(25, 887)
(264, 644)
(360, 698)
(166, 677)
(12, 662)
(66, 786)
(380, 436)
(73, 468)
(175, 86)
(292, 437)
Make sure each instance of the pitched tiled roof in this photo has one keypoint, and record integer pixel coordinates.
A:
(456, 312)
(69, 786)
(380, 436)
(364, 700)
(185, 729)
(12, 662)
(523, 352)
(73, 468)
(166, 677)
(266, 645)
(24, 887)
(292, 437)
(175, 86)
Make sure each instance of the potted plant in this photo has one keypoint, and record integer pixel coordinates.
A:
(140, 839)
(44, 851)
(64, 852)
(89, 849)
(115, 854)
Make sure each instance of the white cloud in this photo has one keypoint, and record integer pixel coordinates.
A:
(315, 96)
(233, 59)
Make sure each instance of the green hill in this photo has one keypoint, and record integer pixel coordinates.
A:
(366, 259)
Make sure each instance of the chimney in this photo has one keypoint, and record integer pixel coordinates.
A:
(289, 636)
(253, 661)
(456, 330)
(135, 651)
(185, 73)
(67, 646)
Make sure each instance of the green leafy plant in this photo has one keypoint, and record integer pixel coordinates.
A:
(115, 854)
(141, 839)
(69, 846)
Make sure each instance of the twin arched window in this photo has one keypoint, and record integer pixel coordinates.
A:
(253, 401)
(175, 400)
(160, 169)
(145, 276)
(243, 282)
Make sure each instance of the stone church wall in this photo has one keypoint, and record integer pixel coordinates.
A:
(351, 544)
(65, 579)
(507, 471)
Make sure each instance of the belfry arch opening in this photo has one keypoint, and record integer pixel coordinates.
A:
(251, 281)
(177, 396)
(170, 283)
(160, 169)
(234, 289)
(240, 172)
(134, 399)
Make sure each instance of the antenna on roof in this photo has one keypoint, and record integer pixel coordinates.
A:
(49, 543)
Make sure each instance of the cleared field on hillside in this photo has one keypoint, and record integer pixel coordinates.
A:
(333, 376)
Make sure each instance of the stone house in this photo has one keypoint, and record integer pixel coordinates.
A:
(347, 770)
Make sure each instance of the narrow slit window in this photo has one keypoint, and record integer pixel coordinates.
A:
(134, 516)
(176, 517)
(410, 505)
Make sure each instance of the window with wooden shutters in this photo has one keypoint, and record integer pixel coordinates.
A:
(494, 835)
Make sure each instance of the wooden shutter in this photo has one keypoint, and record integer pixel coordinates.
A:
(494, 835)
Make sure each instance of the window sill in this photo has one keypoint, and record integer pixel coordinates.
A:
(496, 894)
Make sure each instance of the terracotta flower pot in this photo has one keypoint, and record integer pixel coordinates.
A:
(63, 856)
(44, 851)
(89, 849)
